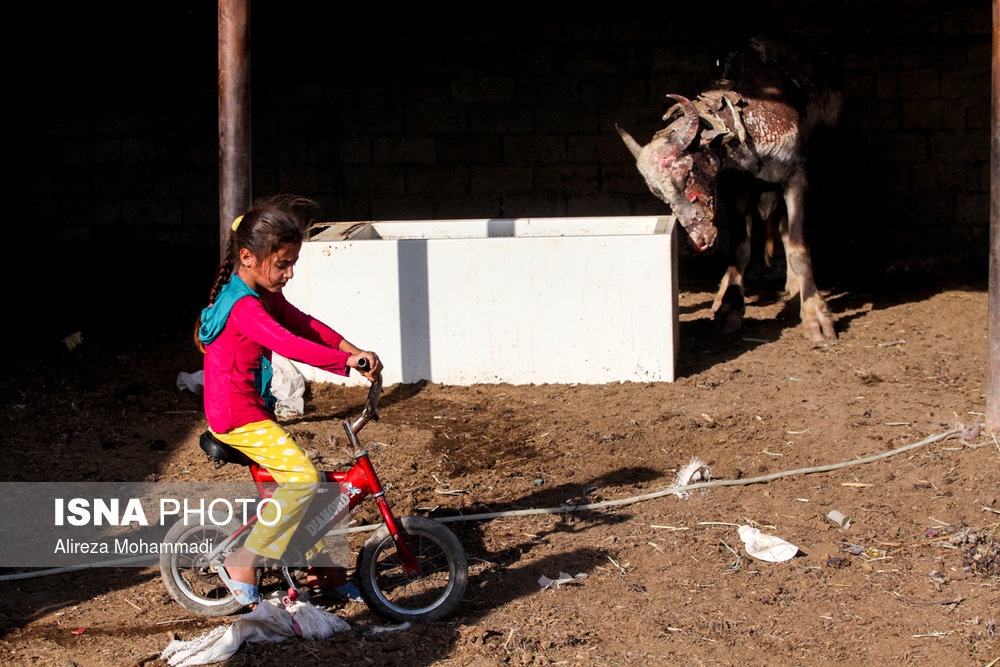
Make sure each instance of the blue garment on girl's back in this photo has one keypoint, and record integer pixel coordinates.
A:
(216, 314)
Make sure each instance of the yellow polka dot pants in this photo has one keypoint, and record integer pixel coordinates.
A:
(270, 445)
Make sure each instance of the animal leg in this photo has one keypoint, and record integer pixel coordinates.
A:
(792, 285)
(767, 208)
(817, 323)
(729, 305)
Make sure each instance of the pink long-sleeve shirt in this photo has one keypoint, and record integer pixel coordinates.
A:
(254, 330)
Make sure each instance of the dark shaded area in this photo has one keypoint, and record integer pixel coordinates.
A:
(112, 290)
(114, 167)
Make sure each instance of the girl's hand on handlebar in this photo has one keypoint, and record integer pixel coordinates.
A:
(366, 363)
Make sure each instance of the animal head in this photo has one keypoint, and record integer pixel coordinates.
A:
(682, 172)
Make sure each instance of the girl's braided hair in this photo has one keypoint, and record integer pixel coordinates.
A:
(269, 224)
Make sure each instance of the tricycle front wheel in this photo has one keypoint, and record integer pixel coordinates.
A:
(390, 592)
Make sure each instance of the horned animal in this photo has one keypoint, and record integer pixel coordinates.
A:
(751, 130)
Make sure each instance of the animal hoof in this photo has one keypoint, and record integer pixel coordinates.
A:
(728, 321)
(819, 332)
(729, 311)
(817, 324)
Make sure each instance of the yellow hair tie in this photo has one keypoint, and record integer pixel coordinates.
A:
(236, 222)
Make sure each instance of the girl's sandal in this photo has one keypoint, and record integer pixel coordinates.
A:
(246, 594)
(332, 583)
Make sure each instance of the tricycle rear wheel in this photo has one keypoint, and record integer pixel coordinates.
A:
(189, 577)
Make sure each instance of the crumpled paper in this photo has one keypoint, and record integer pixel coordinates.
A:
(839, 519)
(269, 622)
(766, 547)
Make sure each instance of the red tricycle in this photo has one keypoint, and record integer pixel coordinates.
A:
(411, 569)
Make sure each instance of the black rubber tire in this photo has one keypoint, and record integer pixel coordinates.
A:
(390, 593)
(189, 578)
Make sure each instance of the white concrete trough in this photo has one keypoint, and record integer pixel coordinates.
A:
(519, 301)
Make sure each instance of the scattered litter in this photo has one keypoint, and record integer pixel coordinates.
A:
(564, 578)
(938, 577)
(193, 382)
(379, 629)
(971, 432)
(176, 620)
(79, 631)
(736, 564)
(695, 471)
(838, 562)
(288, 385)
(983, 558)
(73, 340)
(269, 622)
(766, 547)
(839, 519)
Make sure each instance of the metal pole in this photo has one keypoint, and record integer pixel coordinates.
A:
(234, 114)
(993, 328)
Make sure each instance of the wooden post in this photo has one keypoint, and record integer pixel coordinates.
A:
(234, 114)
(993, 328)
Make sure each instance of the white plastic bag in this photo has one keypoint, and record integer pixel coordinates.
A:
(766, 547)
(269, 622)
(193, 382)
(288, 386)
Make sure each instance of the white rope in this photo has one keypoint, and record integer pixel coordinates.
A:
(578, 508)
(703, 485)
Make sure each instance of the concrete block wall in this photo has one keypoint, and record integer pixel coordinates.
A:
(516, 118)
(416, 115)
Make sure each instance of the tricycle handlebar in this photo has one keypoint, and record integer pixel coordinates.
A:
(370, 412)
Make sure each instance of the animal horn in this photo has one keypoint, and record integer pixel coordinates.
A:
(741, 132)
(633, 145)
(691, 116)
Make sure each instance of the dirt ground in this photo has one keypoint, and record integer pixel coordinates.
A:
(656, 579)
